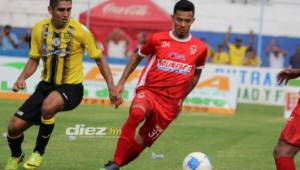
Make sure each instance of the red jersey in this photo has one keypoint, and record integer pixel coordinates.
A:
(171, 64)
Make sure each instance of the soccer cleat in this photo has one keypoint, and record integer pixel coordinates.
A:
(34, 161)
(110, 166)
(13, 162)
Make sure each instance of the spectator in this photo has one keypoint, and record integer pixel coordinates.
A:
(117, 44)
(252, 59)
(26, 37)
(237, 51)
(276, 55)
(220, 56)
(210, 51)
(295, 59)
(8, 40)
(140, 41)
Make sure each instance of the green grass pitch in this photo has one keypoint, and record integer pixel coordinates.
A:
(241, 142)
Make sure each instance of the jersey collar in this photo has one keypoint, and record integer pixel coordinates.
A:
(180, 40)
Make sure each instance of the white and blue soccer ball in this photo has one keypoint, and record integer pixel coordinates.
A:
(196, 161)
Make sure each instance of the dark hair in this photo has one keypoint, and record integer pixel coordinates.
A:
(7, 27)
(184, 5)
(53, 3)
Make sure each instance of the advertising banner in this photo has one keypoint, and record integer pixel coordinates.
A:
(214, 93)
(256, 85)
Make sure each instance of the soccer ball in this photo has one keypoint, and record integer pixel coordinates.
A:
(196, 161)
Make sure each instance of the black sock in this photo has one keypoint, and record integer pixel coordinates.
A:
(15, 145)
(43, 137)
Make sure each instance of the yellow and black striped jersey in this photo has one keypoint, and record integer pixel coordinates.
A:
(62, 50)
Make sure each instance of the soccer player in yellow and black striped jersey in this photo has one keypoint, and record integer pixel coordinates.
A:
(60, 43)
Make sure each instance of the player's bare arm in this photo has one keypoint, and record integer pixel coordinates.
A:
(130, 67)
(285, 75)
(195, 80)
(107, 75)
(29, 69)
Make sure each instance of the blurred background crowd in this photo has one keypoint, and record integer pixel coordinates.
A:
(238, 32)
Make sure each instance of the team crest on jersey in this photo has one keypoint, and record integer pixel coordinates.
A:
(193, 49)
(67, 37)
(173, 66)
(165, 44)
(56, 42)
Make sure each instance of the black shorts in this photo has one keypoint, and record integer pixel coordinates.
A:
(31, 109)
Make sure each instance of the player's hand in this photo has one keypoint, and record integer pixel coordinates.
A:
(119, 91)
(118, 102)
(285, 75)
(112, 94)
(19, 84)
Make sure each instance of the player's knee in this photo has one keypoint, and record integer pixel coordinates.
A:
(140, 141)
(137, 112)
(276, 152)
(283, 149)
(14, 129)
(47, 112)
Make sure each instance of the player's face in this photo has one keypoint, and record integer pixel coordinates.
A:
(182, 21)
(60, 13)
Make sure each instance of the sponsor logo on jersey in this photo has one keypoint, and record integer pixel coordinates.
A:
(177, 56)
(59, 52)
(173, 66)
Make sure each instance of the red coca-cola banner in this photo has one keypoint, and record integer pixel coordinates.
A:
(131, 16)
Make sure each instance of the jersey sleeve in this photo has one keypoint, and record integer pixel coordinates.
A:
(90, 44)
(35, 42)
(148, 48)
(201, 59)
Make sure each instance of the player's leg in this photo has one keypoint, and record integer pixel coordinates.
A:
(284, 155)
(140, 108)
(152, 128)
(289, 142)
(51, 105)
(15, 138)
(65, 97)
(27, 115)
(127, 140)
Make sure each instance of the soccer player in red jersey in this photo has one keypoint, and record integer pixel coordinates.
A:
(175, 62)
(289, 141)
